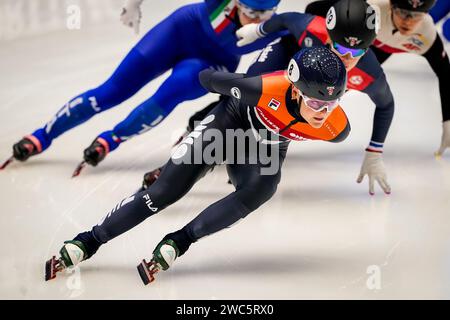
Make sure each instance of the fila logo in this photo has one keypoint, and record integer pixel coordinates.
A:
(274, 104)
(330, 90)
(149, 203)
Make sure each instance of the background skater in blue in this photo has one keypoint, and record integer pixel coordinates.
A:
(193, 38)
(439, 12)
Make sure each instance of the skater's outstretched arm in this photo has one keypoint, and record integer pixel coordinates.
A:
(246, 89)
(437, 57)
(296, 23)
(438, 60)
(381, 95)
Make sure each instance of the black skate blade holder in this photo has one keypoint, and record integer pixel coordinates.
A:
(7, 162)
(78, 169)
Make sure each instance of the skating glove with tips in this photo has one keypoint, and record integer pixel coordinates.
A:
(373, 167)
(445, 141)
(131, 14)
(249, 34)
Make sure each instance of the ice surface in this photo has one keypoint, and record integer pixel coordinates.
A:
(317, 238)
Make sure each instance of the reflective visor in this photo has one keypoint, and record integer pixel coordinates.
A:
(355, 53)
(318, 105)
(256, 14)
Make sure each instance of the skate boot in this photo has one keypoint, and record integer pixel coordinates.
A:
(150, 178)
(164, 255)
(71, 254)
(22, 150)
(93, 155)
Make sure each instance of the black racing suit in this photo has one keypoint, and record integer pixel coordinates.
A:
(252, 188)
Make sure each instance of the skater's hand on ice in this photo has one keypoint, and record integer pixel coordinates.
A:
(248, 34)
(373, 167)
(445, 142)
(131, 14)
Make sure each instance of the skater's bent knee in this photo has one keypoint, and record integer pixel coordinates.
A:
(256, 194)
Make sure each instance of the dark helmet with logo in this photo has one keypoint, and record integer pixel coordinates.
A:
(352, 23)
(318, 73)
(414, 5)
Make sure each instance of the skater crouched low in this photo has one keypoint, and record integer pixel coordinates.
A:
(271, 110)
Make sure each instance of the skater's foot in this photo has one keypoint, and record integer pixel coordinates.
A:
(150, 178)
(93, 155)
(71, 254)
(82, 247)
(25, 148)
(96, 152)
(164, 256)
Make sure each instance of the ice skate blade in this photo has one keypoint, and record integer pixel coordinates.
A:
(7, 162)
(147, 271)
(183, 136)
(78, 169)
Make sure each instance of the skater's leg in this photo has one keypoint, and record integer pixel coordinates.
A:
(446, 29)
(179, 175)
(124, 82)
(181, 85)
(252, 190)
(440, 10)
(173, 184)
(154, 54)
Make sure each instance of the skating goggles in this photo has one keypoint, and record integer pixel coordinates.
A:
(262, 15)
(405, 14)
(355, 53)
(319, 105)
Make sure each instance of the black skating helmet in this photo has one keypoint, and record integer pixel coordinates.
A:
(352, 23)
(414, 5)
(318, 73)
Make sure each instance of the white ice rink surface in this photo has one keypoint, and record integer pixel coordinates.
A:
(320, 237)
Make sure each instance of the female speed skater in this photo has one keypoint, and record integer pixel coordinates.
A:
(351, 19)
(299, 104)
(407, 27)
(193, 38)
